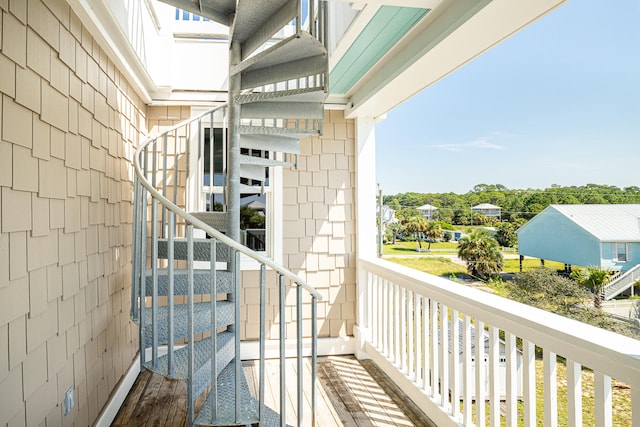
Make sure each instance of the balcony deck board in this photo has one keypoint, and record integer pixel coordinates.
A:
(349, 393)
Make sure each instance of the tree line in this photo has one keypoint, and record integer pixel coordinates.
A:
(515, 203)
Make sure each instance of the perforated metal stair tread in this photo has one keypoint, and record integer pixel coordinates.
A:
(279, 143)
(226, 404)
(288, 50)
(257, 21)
(201, 250)
(201, 282)
(311, 94)
(217, 10)
(201, 316)
(292, 132)
(201, 360)
(217, 220)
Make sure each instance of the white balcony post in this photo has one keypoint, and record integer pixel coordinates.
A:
(574, 393)
(602, 397)
(365, 202)
(550, 389)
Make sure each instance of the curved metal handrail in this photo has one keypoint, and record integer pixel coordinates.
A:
(202, 225)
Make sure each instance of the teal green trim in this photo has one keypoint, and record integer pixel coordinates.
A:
(384, 30)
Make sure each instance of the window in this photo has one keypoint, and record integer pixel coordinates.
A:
(621, 252)
(256, 191)
(183, 15)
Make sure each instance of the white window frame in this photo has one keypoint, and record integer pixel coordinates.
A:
(274, 198)
(627, 251)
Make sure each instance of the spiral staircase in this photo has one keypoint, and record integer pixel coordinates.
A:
(187, 282)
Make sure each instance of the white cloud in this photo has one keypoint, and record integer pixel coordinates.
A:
(481, 143)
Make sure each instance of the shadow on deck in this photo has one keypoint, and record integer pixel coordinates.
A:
(349, 393)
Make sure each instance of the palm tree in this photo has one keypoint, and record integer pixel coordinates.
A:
(417, 225)
(594, 278)
(433, 232)
(481, 252)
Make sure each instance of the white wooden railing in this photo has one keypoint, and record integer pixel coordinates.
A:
(405, 327)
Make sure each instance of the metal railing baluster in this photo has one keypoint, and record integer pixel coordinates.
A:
(164, 185)
(314, 356)
(154, 264)
(283, 396)
(263, 337)
(190, 325)
(135, 248)
(214, 333)
(236, 329)
(299, 351)
(170, 298)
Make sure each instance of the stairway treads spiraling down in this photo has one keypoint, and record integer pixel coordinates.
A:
(201, 320)
(277, 88)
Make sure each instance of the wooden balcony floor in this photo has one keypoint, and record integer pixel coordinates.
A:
(349, 393)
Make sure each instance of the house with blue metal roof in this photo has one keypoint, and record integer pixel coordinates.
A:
(606, 236)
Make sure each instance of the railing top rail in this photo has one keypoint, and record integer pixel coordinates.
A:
(203, 226)
(612, 353)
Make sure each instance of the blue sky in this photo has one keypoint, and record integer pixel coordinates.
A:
(557, 103)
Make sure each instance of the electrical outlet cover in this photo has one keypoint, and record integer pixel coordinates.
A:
(68, 401)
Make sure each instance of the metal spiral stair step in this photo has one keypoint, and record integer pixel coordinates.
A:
(201, 316)
(257, 21)
(308, 94)
(280, 143)
(282, 110)
(294, 57)
(226, 404)
(201, 247)
(260, 161)
(217, 220)
(201, 282)
(201, 361)
(290, 132)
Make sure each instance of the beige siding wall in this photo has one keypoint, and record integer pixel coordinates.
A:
(319, 227)
(69, 125)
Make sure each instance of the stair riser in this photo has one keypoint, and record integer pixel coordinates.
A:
(201, 251)
(201, 283)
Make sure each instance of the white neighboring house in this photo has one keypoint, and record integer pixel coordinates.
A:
(488, 209)
(427, 211)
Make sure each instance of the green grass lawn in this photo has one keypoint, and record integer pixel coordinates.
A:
(438, 266)
(409, 248)
(512, 265)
